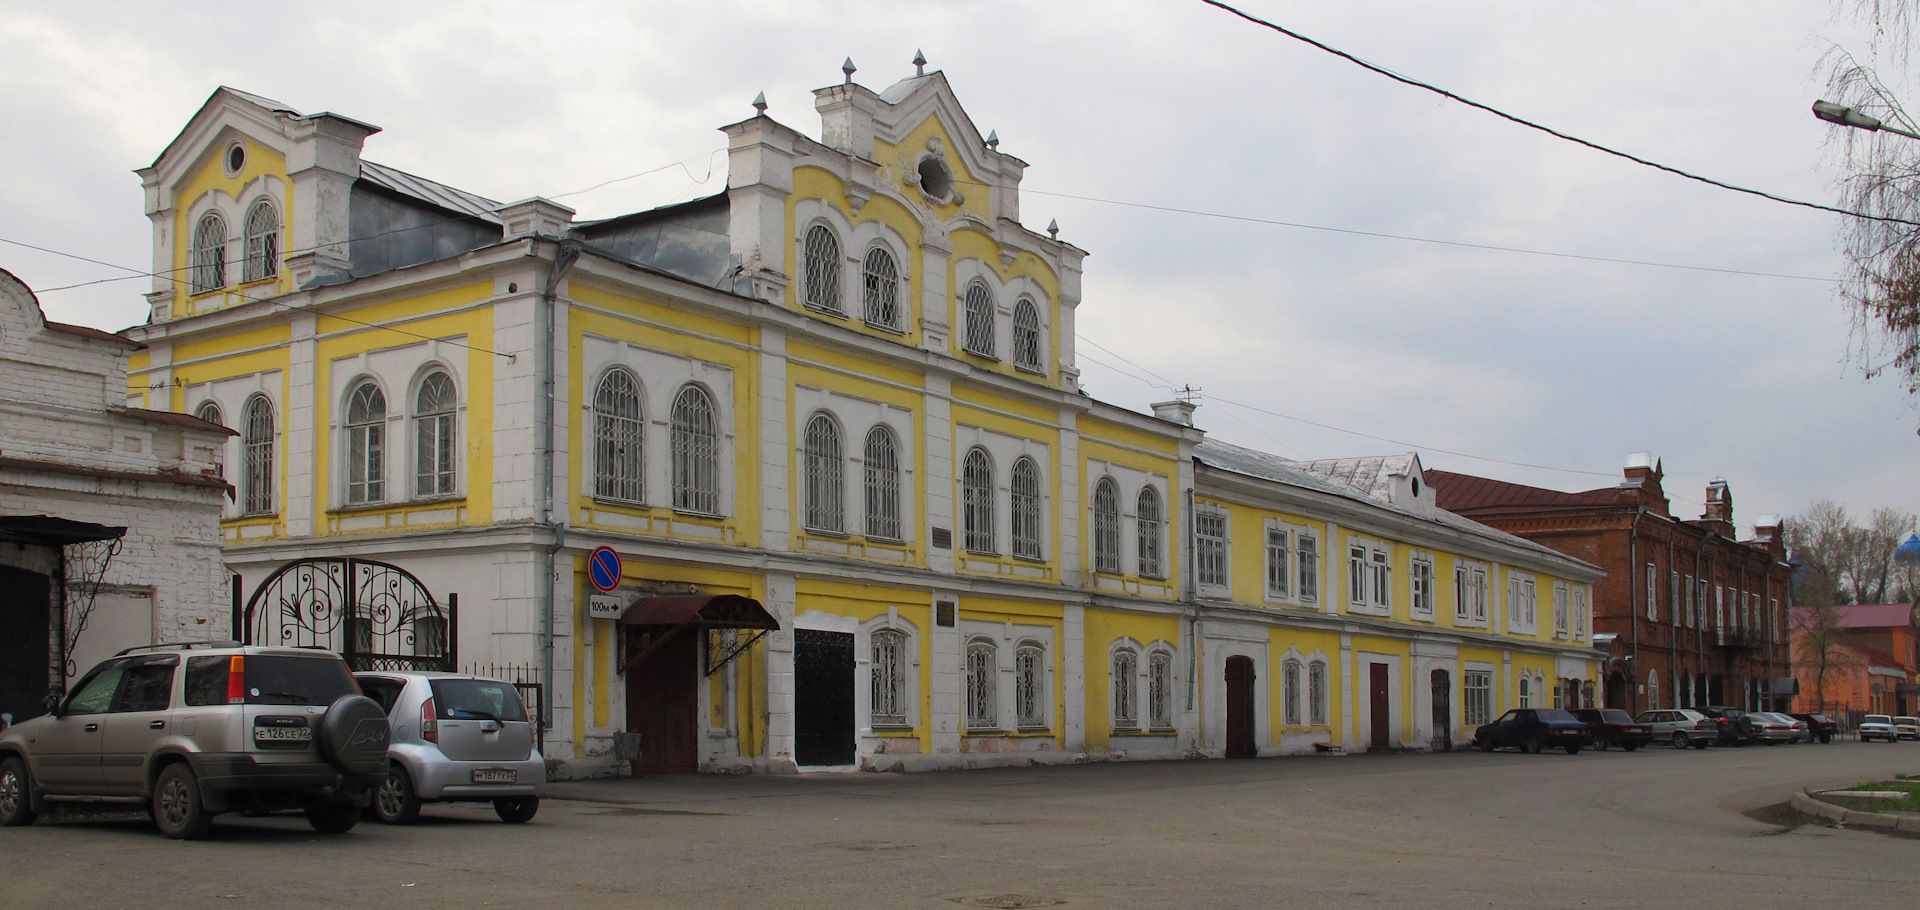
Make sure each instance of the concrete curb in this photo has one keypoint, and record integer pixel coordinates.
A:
(1807, 804)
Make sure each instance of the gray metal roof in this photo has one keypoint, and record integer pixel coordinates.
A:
(430, 191)
(268, 103)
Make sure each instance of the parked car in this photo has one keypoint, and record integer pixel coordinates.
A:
(1681, 727)
(1614, 727)
(1906, 727)
(1533, 729)
(194, 730)
(1774, 729)
(1819, 726)
(1877, 726)
(457, 738)
(1735, 728)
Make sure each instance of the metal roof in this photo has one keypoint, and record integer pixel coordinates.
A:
(430, 191)
(1466, 493)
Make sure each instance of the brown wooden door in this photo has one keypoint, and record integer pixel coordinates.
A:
(1240, 707)
(1442, 710)
(1380, 705)
(662, 704)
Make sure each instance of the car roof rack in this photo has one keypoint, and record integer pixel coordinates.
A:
(178, 646)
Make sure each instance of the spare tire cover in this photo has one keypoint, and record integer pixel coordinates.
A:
(354, 735)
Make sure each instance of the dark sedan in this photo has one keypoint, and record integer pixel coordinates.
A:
(1614, 727)
(1819, 726)
(1533, 729)
(1736, 729)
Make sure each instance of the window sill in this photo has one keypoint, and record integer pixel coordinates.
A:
(696, 513)
(1040, 560)
(892, 729)
(1032, 371)
(1029, 731)
(617, 501)
(973, 353)
(823, 532)
(881, 326)
(359, 507)
(984, 731)
(824, 311)
(986, 553)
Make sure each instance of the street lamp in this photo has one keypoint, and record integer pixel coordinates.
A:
(1846, 116)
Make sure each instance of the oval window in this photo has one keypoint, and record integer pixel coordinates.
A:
(236, 158)
(935, 180)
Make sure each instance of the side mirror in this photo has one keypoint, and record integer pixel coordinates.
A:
(53, 705)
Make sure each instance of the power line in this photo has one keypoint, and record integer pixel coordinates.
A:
(1546, 129)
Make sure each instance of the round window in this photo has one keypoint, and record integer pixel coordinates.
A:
(935, 180)
(236, 158)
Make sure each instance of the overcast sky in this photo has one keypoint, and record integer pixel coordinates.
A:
(1524, 358)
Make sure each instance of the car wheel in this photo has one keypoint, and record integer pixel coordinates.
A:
(1573, 748)
(1679, 741)
(333, 818)
(1531, 746)
(16, 794)
(1826, 738)
(177, 810)
(1599, 745)
(1629, 746)
(1484, 744)
(1770, 742)
(395, 803)
(1700, 745)
(516, 810)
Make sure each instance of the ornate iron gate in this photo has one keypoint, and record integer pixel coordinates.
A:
(377, 616)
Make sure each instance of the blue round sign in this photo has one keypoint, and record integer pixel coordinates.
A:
(603, 569)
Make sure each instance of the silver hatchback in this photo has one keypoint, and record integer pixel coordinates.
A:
(1681, 727)
(456, 738)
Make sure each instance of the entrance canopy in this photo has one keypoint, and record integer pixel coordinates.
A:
(48, 531)
(705, 611)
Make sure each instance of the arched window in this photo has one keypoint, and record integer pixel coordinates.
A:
(1106, 526)
(1290, 693)
(1148, 519)
(1026, 508)
(616, 438)
(209, 254)
(976, 488)
(983, 710)
(210, 412)
(257, 456)
(979, 320)
(823, 269)
(1317, 693)
(1026, 337)
(1526, 692)
(1160, 690)
(882, 465)
(1126, 679)
(263, 242)
(366, 444)
(889, 678)
(1029, 685)
(1653, 688)
(435, 455)
(695, 444)
(825, 484)
(881, 280)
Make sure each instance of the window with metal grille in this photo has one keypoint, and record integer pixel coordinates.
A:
(616, 438)
(1478, 688)
(209, 254)
(435, 454)
(695, 444)
(889, 678)
(823, 270)
(1279, 551)
(881, 280)
(210, 412)
(257, 456)
(1126, 679)
(1029, 683)
(882, 466)
(983, 710)
(1026, 525)
(1026, 337)
(1106, 526)
(1309, 563)
(1317, 693)
(263, 242)
(1160, 690)
(1290, 693)
(1210, 548)
(979, 320)
(1149, 522)
(366, 444)
(824, 467)
(976, 489)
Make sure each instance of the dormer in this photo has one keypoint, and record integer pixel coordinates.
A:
(1406, 485)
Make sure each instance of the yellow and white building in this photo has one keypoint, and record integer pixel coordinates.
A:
(837, 400)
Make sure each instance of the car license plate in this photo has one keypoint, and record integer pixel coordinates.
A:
(284, 734)
(495, 776)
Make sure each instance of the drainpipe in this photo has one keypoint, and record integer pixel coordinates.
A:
(565, 255)
(1193, 621)
(1633, 568)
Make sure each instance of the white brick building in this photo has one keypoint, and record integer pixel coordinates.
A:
(76, 470)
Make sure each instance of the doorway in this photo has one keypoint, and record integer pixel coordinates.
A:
(25, 611)
(1617, 691)
(662, 700)
(1380, 707)
(1240, 678)
(823, 722)
(1442, 711)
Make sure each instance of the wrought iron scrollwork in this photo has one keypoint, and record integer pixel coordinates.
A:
(377, 616)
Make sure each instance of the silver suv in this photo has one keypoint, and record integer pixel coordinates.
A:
(456, 738)
(193, 730)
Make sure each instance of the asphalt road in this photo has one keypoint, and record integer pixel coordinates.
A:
(1677, 829)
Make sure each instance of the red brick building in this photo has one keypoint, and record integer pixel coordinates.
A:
(1874, 667)
(1698, 616)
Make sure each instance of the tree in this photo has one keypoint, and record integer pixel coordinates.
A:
(1838, 561)
(1819, 648)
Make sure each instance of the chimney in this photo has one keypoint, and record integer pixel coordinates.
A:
(1643, 485)
(1719, 501)
(1180, 412)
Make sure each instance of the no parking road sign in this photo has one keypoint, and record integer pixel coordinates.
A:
(603, 569)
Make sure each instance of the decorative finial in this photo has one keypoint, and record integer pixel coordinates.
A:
(919, 63)
(760, 103)
(1053, 229)
(993, 140)
(849, 69)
